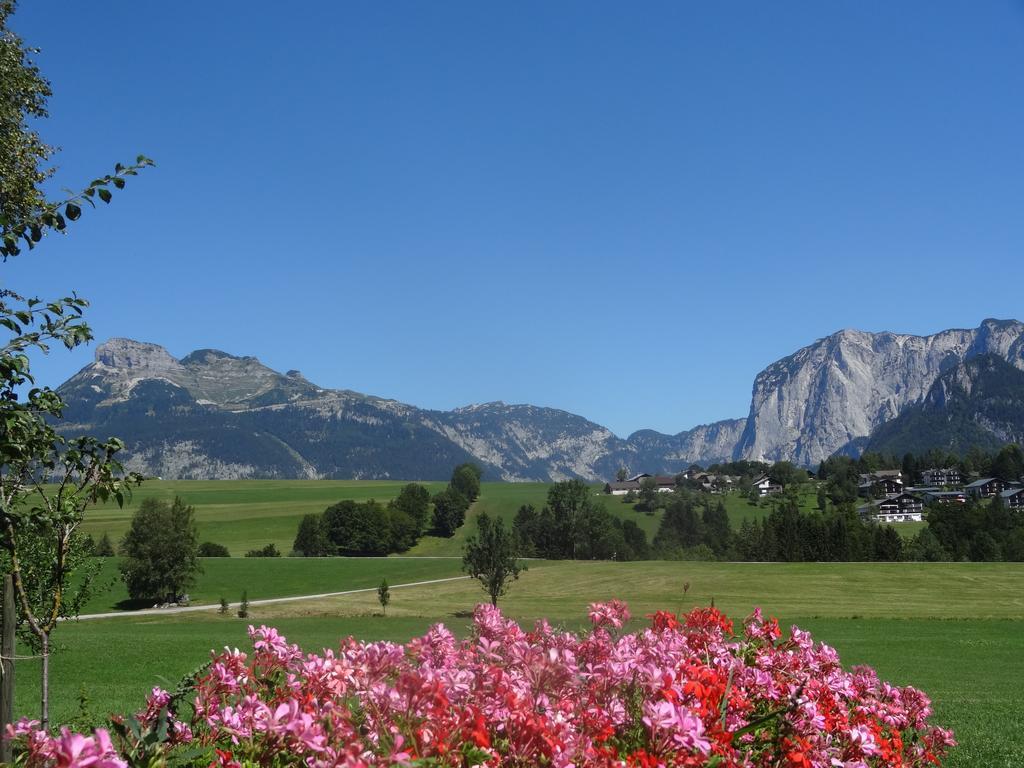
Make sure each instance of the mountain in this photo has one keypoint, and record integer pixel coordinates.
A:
(978, 403)
(216, 415)
(832, 394)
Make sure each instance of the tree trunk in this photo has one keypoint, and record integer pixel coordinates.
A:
(7, 650)
(44, 695)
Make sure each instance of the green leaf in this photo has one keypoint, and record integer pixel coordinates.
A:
(72, 211)
(104, 194)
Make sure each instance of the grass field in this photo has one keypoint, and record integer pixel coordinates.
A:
(265, 578)
(245, 514)
(954, 630)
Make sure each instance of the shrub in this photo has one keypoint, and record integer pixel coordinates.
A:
(209, 549)
(268, 551)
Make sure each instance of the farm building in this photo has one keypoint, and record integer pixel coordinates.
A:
(665, 484)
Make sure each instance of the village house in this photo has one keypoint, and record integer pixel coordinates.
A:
(942, 476)
(897, 508)
(710, 482)
(1013, 498)
(765, 486)
(665, 484)
(621, 489)
(881, 483)
(985, 488)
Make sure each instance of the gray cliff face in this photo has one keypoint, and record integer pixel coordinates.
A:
(837, 390)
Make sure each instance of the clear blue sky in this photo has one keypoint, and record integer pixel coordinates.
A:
(618, 210)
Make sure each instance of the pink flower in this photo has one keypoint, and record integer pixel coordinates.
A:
(614, 613)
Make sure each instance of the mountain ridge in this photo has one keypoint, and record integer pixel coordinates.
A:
(214, 414)
(177, 414)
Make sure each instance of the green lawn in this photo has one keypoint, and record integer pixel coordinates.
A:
(952, 629)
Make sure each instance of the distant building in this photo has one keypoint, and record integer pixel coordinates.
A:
(881, 483)
(765, 487)
(1013, 498)
(710, 482)
(933, 496)
(941, 476)
(985, 488)
(896, 508)
(665, 484)
(621, 489)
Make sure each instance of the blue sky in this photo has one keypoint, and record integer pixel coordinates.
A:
(621, 210)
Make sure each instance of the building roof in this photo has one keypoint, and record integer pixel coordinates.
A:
(980, 482)
(883, 474)
(1011, 492)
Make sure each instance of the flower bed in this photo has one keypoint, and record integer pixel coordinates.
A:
(686, 691)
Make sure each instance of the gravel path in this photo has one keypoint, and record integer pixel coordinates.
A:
(268, 601)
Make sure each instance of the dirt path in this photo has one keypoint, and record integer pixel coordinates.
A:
(268, 601)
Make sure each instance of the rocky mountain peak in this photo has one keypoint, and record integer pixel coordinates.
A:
(837, 390)
(136, 357)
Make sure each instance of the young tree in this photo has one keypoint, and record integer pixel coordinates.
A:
(160, 550)
(492, 557)
(449, 511)
(649, 494)
(466, 480)
(311, 539)
(621, 475)
(384, 595)
(104, 548)
(414, 500)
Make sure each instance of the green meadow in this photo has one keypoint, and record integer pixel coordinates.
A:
(953, 629)
(956, 630)
(245, 514)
